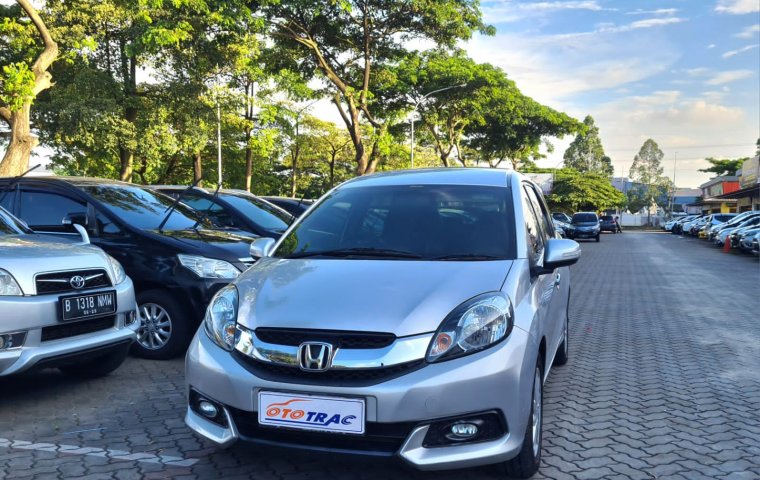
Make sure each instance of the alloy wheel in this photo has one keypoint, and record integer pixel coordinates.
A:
(155, 326)
(536, 415)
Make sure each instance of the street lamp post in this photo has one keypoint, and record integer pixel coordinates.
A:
(414, 112)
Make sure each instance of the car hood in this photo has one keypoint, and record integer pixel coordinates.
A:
(221, 244)
(402, 297)
(24, 256)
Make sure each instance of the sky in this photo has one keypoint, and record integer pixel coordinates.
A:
(683, 72)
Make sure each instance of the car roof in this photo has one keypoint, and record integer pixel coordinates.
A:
(76, 181)
(435, 176)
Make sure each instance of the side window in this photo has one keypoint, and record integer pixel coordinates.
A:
(6, 198)
(106, 228)
(535, 236)
(541, 213)
(212, 209)
(44, 211)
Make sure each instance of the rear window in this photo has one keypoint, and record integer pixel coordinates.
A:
(723, 218)
(584, 217)
(607, 218)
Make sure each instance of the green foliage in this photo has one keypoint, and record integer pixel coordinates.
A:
(576, 191)
(648, 171)
(586, 153)
(16, 85)
(723, 166)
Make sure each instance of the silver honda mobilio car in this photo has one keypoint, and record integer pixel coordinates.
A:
(414, 314)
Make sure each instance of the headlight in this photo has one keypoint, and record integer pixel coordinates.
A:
(119, 275)
(221, 317)
(8, 285)
(208, 267)
(474, 325)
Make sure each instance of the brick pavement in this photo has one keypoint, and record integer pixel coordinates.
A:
(663, 382)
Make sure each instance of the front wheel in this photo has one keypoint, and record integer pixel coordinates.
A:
(163, 330)
(526, 463)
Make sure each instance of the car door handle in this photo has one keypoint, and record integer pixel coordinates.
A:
(557, 279)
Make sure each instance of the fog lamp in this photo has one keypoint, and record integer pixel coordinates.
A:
(131, 318)
(208, 409)
(464, 431)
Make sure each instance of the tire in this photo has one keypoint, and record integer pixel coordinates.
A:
(597, 238)
(98, 366)
(164, 331)
(563, 351)
(526, 463)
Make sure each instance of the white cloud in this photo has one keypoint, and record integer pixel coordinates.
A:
(737, 7)
(712, 45)
(659, 11)
(748, 32)
(655, 22)
(732, 53)
(729, 76)
(697, 72)
(506, 11)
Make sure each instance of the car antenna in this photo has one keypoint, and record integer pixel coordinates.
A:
(293, 219)
(15, 180)
(210, 204)
(176, 201)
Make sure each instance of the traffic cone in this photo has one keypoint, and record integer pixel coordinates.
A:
(727, 245)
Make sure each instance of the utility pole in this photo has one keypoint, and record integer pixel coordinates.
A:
(673, 194)
(219, 140)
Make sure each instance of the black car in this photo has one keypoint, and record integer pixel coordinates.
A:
(176, 258)
(586, 225)
(235, 209)
(294, 206)
(607, 223)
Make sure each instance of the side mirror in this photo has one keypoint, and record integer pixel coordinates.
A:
(75, 218)
(561, 253)
(262, 247)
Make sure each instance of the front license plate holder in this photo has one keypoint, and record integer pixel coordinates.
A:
(312, 412)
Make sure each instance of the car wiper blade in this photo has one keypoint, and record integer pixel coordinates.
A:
(361, 251)
(176, 202)
(206, 213)
(467, 256)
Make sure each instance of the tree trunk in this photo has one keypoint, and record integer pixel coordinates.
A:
(332, 169)
(248, 161)
(129, 75)
(197, 168)
(22, 141)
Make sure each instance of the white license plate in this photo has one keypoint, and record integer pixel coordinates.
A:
(312, 412)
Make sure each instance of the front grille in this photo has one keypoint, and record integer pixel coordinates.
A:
(337, 338)
(65, 330)
(383, 439)
(60, 282)
(355, 377)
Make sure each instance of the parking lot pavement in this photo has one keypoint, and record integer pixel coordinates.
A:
(663, 382)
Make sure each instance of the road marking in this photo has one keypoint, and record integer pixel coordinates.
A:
(143, 457)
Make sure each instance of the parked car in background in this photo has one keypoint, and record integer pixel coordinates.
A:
(713, 220)
(176, 258)
(679, 224)
(562, 217)
(730, 223)
(63, 303)
(566, 230)
(723, 235)
(234, 209)
(479, 290)
(586, 225)
(756, 245)
(607, 223)
(294, 206)
(744, 239)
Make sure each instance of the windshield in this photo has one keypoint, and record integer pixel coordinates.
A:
(261, 213)
(584, 218)
(606, 218)
(145, 209)
(9, 225)
(430, 222)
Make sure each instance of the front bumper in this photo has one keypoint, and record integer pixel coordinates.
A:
(35, 316)
(499, 375)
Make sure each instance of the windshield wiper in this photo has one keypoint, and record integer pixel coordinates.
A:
(359, 252)
(176, 202)
(205, 213)
(466, 256)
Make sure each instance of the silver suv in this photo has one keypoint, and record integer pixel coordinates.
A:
(62, 304)
(414, 314)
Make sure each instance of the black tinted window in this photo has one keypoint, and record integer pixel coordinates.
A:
(43, 210)
(533, 233)
(9, 225)
(261, 213)
(606, 218)
(584, 218)
(144, 208)
(429, 221)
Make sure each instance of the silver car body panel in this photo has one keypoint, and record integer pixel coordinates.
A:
(409, 299)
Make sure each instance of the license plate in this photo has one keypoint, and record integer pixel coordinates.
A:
(312, 412)
(86, 306)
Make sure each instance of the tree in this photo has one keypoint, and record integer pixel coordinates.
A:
(647, 170)
(723, 166)
(574, 191)
(24, 75)
(586, 153)
(353, 44)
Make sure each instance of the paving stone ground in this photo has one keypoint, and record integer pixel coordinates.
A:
(663, 382)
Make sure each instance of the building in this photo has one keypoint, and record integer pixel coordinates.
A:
(683, 197)
(747, 196)
(716, 195)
